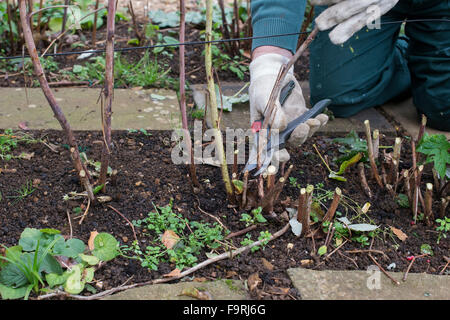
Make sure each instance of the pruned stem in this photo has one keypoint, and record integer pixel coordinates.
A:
(244, 190)
(371, 155)
(302, 215)
(428, 211)
(334, 204)
(59, 115)
(376, 143)
(396, 161)
(362, 176)
(271, 172)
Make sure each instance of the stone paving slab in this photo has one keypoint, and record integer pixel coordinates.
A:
(354, 285)
(405, 113)
(132, 109)
(219, 290)
(240, 116)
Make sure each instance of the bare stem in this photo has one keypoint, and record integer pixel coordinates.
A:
(213, 102)
(362, 176)
(108, 93)
(334, 204)
(59, 115)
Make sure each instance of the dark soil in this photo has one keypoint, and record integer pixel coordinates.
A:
(147, 176)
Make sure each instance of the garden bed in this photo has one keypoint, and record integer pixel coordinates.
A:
(147, 177)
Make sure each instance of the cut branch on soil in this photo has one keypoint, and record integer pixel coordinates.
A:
(59, 115)
(183, 274)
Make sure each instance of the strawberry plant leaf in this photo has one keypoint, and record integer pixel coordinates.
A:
(437, 149)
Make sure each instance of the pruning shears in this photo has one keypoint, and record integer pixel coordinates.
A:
(283, 136)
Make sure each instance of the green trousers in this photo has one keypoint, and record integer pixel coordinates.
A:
(377, 65)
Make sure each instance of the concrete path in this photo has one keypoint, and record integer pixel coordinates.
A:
(155, 109)
(215, 290)
(370, 285)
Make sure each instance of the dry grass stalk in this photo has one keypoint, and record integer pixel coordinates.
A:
(371, 155)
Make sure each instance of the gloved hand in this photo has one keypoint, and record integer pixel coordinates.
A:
(263, 74)
(349, 16)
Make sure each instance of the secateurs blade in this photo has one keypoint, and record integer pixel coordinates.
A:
(277, 142)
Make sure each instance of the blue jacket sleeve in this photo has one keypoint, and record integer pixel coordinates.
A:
(274, 17)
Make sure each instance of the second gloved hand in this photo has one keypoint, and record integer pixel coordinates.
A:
(349, 16)
(263, 74)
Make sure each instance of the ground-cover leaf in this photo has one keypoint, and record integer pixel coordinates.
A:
(12, 293)
(352, 144)
(426, 249)
(322, 250)
(91, 260)
(105, 247)
(70, 248)
(54, 279)
(402, 200)
(12, 276)
(437, 149)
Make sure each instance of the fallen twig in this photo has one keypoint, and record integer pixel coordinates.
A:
(205, 263)
(410, 265)
(384, 271)
(131, 225)
(85, 212)
(368, 251)
(241, 232)
(70, 224)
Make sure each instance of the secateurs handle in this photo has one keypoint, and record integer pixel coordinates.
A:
(311, 113)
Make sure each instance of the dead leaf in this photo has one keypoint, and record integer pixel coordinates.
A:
(169, 239)
(202, 279)
(267, 264)
(174, 273)
(91, 240)
(399, 233)
(26, 156)
(231, 274)
(306, 262)
(23, 126)
(253, 281)
(196, 293)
